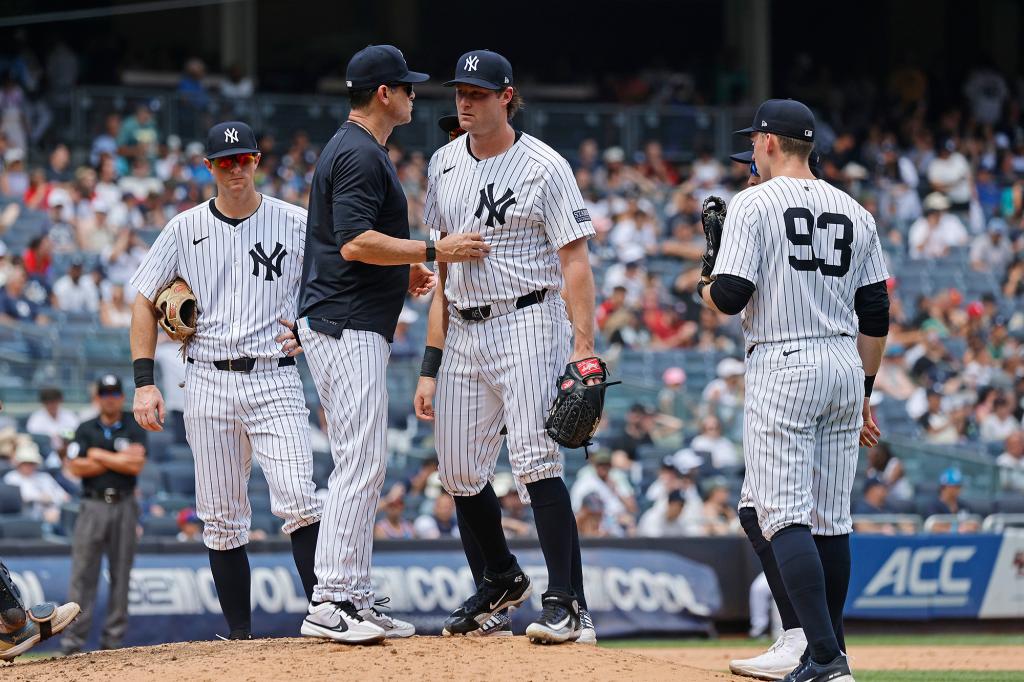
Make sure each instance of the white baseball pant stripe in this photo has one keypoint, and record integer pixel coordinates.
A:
(350, 376)
(804, 402)
(500, 372)
(231, 417)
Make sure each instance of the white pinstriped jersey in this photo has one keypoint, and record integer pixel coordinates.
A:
(524, 202)
(807, 247)
(245, 277)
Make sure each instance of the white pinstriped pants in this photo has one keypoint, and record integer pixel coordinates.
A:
(803, 416)
(231, 417)
(500, 372)
(350, 376)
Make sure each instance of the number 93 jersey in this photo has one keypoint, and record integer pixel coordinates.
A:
(807, 247)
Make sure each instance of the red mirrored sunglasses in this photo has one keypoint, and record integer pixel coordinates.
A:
(226, 162)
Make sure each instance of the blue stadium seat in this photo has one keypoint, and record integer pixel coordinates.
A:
(10, 499)
(21, 528)
(179, 478)
(1010, 503)
(160, 526)
(266, 522)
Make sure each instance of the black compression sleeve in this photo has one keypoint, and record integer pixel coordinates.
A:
(871, 302)
(731, 293)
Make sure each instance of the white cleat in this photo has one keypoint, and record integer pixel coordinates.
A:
(393, 627)
(498, 625)
(340, 622)
(780, 659)
(588, 635)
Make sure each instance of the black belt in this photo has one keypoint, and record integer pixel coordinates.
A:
(484, 311)
(108, 495)
(244, 364)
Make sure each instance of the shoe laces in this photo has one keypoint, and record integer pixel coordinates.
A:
(481, 599)
(553, 612)
(347, 608)
(378, 609)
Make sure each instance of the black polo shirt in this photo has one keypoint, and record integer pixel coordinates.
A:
(95, 434)
(355, 189)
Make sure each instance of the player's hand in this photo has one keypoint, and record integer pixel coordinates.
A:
(288, 339)
(149, 409)
(423, 401)
(421, 279)
(456, 248)
(869, 433)
(583, 354)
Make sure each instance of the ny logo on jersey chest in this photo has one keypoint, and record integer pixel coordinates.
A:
(495, 208)
(272, 263)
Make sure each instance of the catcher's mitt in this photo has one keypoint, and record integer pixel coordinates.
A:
(177, 309)
(712, 217)
(576, 412)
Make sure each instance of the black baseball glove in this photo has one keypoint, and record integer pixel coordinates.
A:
(576, 412)
(712, 217)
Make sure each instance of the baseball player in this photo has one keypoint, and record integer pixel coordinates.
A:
(22, 628)
(241, 253)
(506, 336)
(359, 264)
(802, 260)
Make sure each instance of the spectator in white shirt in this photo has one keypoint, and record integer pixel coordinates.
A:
(721, 451)
(629, 275)
(999, 424)
(992, 251)
(51, 419)
(615, 493)
(441, 522)
(936, 232)
(950, 174)
(665, 519)
(41, 494)
(1011, 462)
(74, 291)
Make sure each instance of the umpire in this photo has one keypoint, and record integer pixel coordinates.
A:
(108, 453)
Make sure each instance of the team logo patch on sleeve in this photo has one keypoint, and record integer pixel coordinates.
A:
(581, 215)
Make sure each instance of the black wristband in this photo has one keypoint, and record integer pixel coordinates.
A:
(143, 369)
(431, 362)
(431, 252)
(869, 383)
(700, 290)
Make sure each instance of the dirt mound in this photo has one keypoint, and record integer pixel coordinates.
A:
(417, 658)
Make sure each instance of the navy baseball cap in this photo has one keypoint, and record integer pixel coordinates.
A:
(377, 65)
(449, 123)
(785, 117)
(484, 69)
(743, 157)
(230, 137)
(109, 384)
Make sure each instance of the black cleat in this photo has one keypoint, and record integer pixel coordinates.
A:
(495, 593)
(809, 671)
(558, 623)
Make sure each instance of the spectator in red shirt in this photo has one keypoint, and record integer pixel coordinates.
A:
(37, 257)
(37, 195)
(668, 328)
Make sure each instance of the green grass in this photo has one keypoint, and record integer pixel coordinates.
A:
(932, 676)
(853, 640)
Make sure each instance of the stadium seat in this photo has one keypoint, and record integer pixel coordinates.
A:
(10, 499)
(1010, 503)
(21, 528)
(266, 522)
(179, 478)
(160, 526)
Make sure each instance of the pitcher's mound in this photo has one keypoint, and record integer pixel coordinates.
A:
(417, 658)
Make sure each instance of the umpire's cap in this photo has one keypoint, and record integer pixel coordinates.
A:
(377, 65)
(785, 117)
(230, 137)
(484, 69)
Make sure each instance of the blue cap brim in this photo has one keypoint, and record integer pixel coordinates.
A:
(742, 157)
(232, 152)
(414, 77)
(478, 82)
(745, 131)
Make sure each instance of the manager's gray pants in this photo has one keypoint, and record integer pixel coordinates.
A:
(101, 529)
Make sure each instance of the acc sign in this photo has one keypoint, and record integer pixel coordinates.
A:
(919, 577)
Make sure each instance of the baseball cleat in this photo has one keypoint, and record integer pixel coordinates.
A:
(559, 621)
(393, 627)
(44, 621)
(588, 635)
(339, 621)
(12, 612)
(781, 658)
(498, 625)
(808, 671)
(496, 593)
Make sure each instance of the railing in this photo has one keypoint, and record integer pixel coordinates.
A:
(680, 129)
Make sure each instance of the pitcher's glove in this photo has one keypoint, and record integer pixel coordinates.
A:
(177, 310)
(712, 217)
(576, 412)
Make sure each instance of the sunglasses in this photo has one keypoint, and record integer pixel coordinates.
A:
(226, 162)
(753, 169)
(402, 86)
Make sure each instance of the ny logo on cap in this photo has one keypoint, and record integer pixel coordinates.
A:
(764, 124)
(231, 135)
(808, 133)
(471, 63)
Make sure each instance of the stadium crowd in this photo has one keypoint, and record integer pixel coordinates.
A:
(946, 188)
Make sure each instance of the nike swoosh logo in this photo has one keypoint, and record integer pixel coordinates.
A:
(196, 241)
(787, 353)
(447, 169)
(559, 626)
(500, 599)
